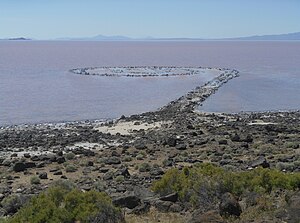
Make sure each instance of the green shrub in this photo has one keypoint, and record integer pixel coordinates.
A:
(155, 165)
(293, 145)
(64, 184)
(139, 157)
(71, 168)
(35, 180)
(58, 204)
(120, 179)
(172, 181)
(127, 159)
(70, 156)
(285, 166)
(100, 185)
(2, 220)
(12, 203)
(145, 167)
(207, 179)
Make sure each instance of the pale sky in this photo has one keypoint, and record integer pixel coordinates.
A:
(47, 19)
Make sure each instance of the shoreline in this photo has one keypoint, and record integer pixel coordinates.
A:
(90, 121)
(96, 120)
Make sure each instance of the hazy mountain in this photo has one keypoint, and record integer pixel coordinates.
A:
(98, 38)
(18, 38)
(123, 38)
(288, 36)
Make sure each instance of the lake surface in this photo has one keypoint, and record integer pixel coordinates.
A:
(36, 85)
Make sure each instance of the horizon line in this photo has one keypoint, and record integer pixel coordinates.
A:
(129, 38)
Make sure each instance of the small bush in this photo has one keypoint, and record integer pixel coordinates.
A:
(155, 165)
(58, 204)
(71, 168)
(139, 157)
(293, 145)
(64, 184)
(145, 167)
(127, 159)
(120, 179)
(100, 186)
(35, 180)
(283, 166)
(101, 161)
(70, 156)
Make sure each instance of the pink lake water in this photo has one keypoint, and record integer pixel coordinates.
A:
(36, 85)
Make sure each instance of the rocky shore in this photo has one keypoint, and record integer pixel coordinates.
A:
(124, 157)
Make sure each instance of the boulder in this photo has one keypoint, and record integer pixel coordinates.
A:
(122, 172)
(35, 158)
(200, 142)
(140, 146)
(60, 159)
(156, 172)
(108, 176)
(223, 142)
(248, 139)
(104, 170)
(30, 165)
(235, 138)
(40, 164)
(58, 172)
(60, 153)
(229, 205)
(129, 201)
(162, 206)
(19, 167)
(27, 155)
(6, 162)
(170, 197)
(261, 161)
(90, 163)
(171, 141)
(43, 175)
(176, 208)
(143, 208)
(113, 160)
(181, 146)
(45, 157)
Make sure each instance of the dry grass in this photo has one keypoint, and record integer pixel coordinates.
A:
(154, 216)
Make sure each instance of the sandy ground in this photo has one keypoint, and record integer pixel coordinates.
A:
(127, 128)
(261, 122)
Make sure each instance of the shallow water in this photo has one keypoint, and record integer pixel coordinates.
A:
(36, 85)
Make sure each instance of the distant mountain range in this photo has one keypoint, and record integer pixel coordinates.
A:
(99, 38)
(288, 36)
(18, 38)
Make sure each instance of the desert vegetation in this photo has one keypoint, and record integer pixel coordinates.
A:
(62, 203)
